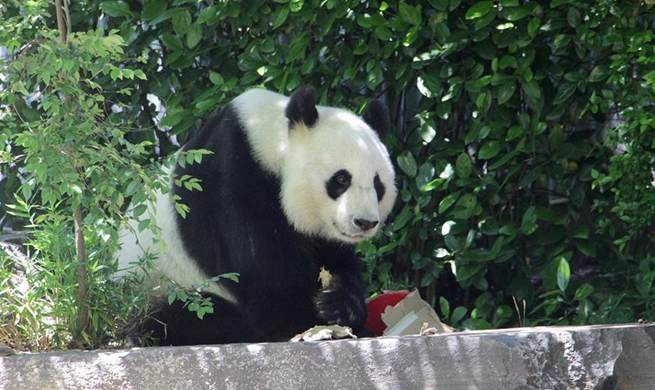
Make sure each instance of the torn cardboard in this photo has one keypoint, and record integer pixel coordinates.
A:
(409, 316)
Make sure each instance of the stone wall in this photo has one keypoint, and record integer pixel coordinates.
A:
(608, 358)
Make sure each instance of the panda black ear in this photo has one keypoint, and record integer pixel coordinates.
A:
(302, 107)
(376, 115)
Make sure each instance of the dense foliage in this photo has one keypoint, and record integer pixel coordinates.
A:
(523, 131)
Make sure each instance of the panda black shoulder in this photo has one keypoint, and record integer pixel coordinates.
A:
(218, 131)
(231, 179)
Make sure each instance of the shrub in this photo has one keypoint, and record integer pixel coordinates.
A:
(522, 132)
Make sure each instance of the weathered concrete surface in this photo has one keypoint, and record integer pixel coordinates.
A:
(607, 358)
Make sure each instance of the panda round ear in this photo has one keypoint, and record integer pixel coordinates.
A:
(302, 107)
(376, 115)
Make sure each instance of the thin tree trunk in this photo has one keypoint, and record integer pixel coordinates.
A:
(82, 287)
(61, 24)
(80, 252)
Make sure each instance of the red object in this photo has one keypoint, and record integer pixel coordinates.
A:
(376, 306)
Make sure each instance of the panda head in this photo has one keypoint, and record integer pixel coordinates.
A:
(337, 179)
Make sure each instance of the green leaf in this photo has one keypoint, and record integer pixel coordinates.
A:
(297, 48)
(529, 221)
(154, 10)
(516, 14)
(533, 27)
(445, 307)
(502, 160)
(573, 17)
(505, 92)
(556, 137)
(407, 163)
(410, 36)
(466, 206)
(504, 311)
(427, 132)
(364, 20)
(116, 8)
(209, 15)
(563, 274)
(448, 201)
(531, 88)
(458, 314)
(556, 3)
(181, 210)
(172, 42)
(143, 225)
(565, 91)
(479, 9)
(233, 276)
(216, 78)
(410, 14)
(116, 74)
(384, 33)
(467, 271)
(402, 218)
(489, 150)
(513, 132)
(281, 17)
(598, 73)
(441, 33)
(181, 21)
(194, 36)
(560, 43)
(586, 247)
(463, 166)
(581, 232)
(425, 175)
(477, 255)
(583, 292)
(139, 210)
(437, 183)
(440, 5)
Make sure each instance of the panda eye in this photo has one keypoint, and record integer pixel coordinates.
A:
(342, 179)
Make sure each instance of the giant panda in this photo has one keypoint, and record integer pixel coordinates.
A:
(290, 187)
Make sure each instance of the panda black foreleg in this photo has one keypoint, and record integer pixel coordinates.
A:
(342, 302)
(175, 325)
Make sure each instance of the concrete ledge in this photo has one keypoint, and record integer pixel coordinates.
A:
(608, 358)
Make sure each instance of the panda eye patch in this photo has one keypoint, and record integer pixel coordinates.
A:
(338, 183)
(379, 187)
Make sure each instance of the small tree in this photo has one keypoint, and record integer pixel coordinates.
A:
(78, 169)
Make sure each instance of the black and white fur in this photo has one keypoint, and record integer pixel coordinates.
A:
(290, 187)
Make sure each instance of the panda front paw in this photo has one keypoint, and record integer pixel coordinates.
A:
(341, 303)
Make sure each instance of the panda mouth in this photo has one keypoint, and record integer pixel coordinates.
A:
(350, 237)
(358, 237)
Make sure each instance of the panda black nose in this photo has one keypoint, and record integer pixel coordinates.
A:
(365, 224)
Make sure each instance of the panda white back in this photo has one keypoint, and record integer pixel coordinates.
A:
(171, 261)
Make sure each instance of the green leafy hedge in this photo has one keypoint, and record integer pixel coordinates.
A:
(523, 133)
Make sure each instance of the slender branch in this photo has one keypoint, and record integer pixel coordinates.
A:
(68, 19)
